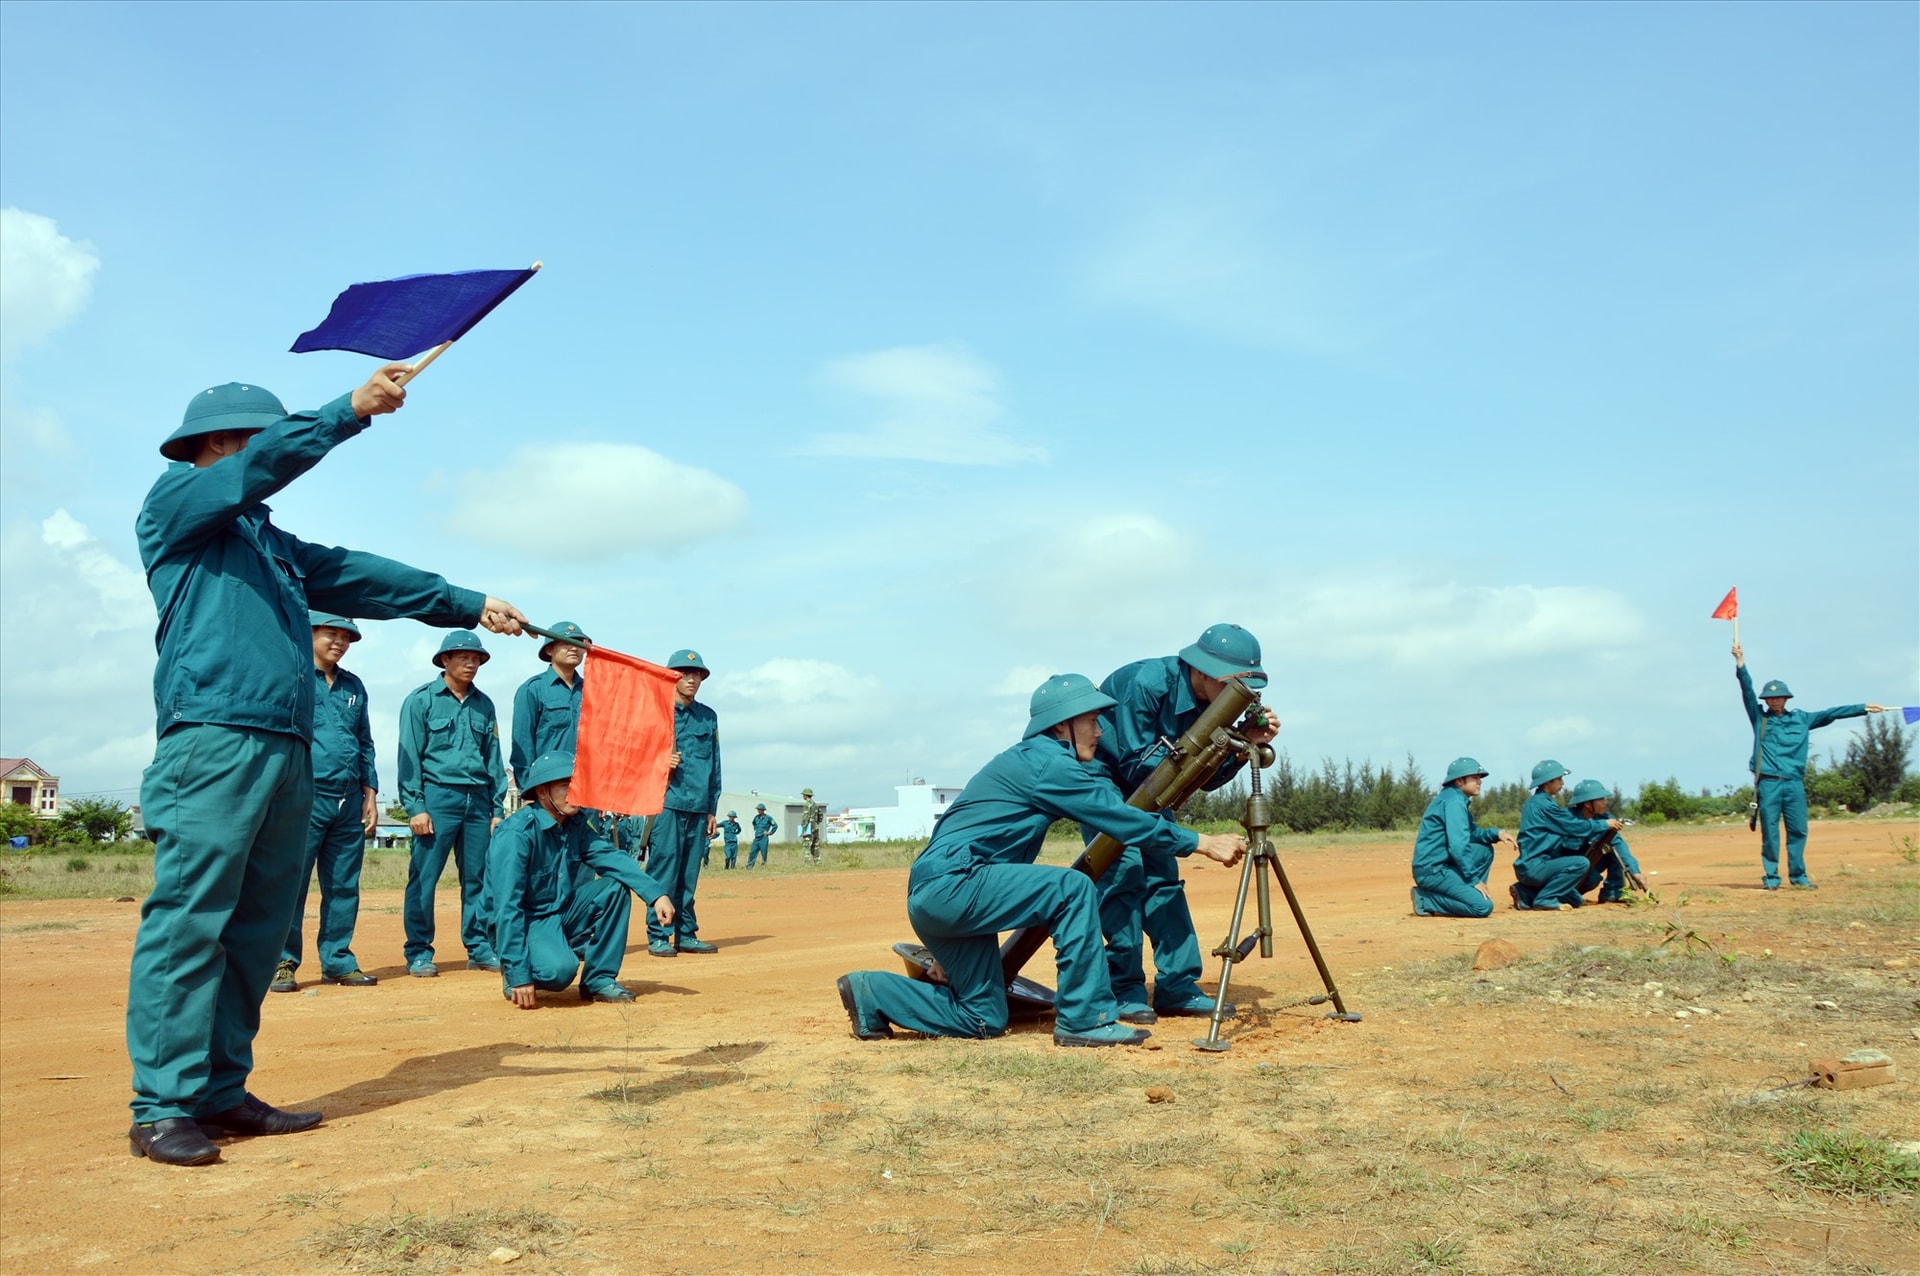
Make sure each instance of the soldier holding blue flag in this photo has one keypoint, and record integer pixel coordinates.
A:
(229, 796)
(346, 807)
(1779, 766)
(454, 786)
(1452, 855)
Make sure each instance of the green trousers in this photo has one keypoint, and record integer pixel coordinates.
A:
(227, 809)
(593, 928)
(337, 846)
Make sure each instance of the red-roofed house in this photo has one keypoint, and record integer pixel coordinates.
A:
(24, 783)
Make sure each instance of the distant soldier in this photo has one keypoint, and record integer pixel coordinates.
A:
(1554, 844)
(345, 810)
(730, 836)
(810, 816)
(763, 828)
(1451, 854)
(453, 783)
(1779, 766)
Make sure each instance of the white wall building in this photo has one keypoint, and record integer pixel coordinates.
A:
(912, 820)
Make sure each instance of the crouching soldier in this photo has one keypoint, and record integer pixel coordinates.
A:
(977, 878)
(560, 894)
(1451, 854)
(1611, 866)
(1554, 845)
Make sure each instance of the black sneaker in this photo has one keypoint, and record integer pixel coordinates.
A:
(283, 980)
(862, 1029)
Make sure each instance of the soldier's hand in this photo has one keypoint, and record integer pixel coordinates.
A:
(1227, 848)
(369, 810)
(523, 997)
(421, 824)
(713, 826)
(1269, 727)
(1876, 708)
(495, 826)
(673, 760)
(1739, 656)
(1615, 825)
(501, 617)
(663, 911)
(381, 393)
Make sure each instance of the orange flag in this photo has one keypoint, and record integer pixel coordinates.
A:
(626, 733)
(1729, 607)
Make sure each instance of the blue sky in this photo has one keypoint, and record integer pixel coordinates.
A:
(897, 357)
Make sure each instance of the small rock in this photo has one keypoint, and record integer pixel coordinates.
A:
(1826, 1005)
(124, 899)
(1496, 954)
(1700, 1010)
(1652, 985)
(1659, 992)
(503, 1256)
(1682, 1014)
(1159, 1094)
(1746, 996)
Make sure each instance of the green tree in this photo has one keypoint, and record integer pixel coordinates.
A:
(93, 820)
(20, 821)
(1876, 759)
(1665, 799)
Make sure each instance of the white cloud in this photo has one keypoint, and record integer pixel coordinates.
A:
(46, 279)
(1023, 679)
(1109, 573)
(1555, 732)
(595, 501)
(937, 403)
(800, 701)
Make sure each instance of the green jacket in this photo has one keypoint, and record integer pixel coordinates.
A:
(447, 740)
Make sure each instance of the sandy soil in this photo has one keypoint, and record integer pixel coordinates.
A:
(731, 1071)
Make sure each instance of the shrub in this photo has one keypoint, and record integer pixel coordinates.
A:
(79, 864)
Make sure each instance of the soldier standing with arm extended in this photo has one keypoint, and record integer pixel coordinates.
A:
(730, 835)
(682, 831)
(763, 828)
(1779, 766)
(454, 786)
(345, 809)
(230, 792)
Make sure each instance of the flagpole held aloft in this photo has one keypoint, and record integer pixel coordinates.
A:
(1729, 609)
(396, 319)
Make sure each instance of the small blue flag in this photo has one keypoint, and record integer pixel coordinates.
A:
(1911, 713)
(398, 318)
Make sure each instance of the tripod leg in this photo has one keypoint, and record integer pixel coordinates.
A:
(1229, 953)
(1306, 933)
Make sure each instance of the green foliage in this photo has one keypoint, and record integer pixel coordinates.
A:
(1834, 788)
(1909, 790)
(1876, 760)
(93, 820)
(1665, 799)
(79, 864)
(20, 821)
(1848, 1164)
(1338, 795)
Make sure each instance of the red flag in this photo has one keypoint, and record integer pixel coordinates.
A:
(626, 733)
(1729, 606)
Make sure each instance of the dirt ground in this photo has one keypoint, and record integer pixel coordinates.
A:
(1558, 1116)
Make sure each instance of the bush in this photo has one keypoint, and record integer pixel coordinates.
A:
(20, 821)
(1835, 788)
(79, 864)
(1666, 800)
(1876, 760)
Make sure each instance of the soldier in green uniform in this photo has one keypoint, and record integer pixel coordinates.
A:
(229, 796)
(730, 836)
(1779, 766)
(763, 828)
(454, 786)
(561, 894)
(810, 816)
(546, 708)
(686, 827)
(345, 809)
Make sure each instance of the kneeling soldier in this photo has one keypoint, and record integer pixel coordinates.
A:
(1451, 854)
(977, 878)
(560, 894)
(1612, 866)
(1554, 845)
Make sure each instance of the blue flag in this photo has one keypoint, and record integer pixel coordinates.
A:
(398, 318)
(1911, 713)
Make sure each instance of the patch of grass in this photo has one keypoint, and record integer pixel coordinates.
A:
(29, 927)
(1844, 1163)
(322, 1199)
(410, 1242)
(1055, 1073)
(79, 864)
(1717, 1232)
(1437, 1254)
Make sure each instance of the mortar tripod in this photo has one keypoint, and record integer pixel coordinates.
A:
(1235, 949)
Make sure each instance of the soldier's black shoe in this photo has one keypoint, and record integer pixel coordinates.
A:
(283, 979)
(865, 1027)
(252, 1117)
(612, 992)
(491, 967)
(697, 946)
(352, 979)
(174, 1141)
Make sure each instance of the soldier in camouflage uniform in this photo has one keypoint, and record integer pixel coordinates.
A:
(810, 817)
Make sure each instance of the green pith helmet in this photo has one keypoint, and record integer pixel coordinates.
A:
(1063, 696)
(1775, 687)
(759, 806)
(1587, 791)
(1461, 768)
(319, 618)
(806, 793)
(1227, 651)
(547, 768)
(565, 629)
(687, 658)
(734, 815)
(224, 407)
(1547, 772)
(460, 640)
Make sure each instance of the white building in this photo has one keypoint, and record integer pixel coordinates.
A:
(911, 821)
